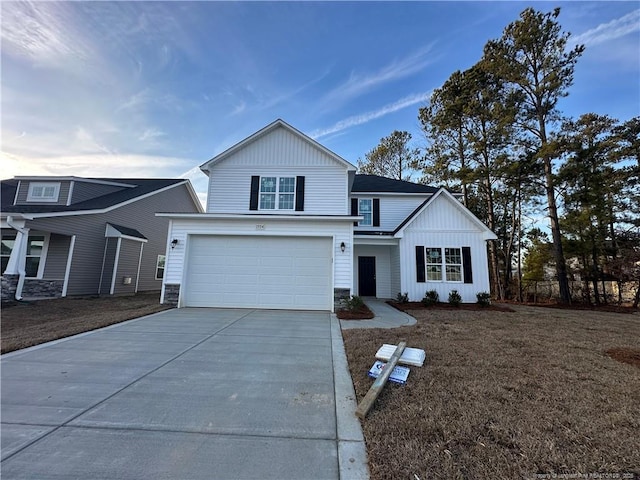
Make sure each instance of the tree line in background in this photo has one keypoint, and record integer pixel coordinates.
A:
(494, 133)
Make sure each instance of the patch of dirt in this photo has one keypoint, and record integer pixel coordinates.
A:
(363, 313)
(503, 396)
(473, 307)
(26, 324)
(625, 355)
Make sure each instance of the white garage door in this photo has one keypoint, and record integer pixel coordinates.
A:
(259, 272)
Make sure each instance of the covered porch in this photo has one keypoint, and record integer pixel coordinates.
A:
(35, 263)
(376, 266)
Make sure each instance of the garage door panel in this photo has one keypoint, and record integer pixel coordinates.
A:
(259, 272)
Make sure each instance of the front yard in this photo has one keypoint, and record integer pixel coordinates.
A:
(25, 324)
(502, 395)
(505, 396)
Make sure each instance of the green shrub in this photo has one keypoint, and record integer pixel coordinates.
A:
(431, 297)
(402, 297)
(484, 299)
(355, 303)
(454, 298)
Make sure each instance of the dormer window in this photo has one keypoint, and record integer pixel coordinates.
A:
(43, 192)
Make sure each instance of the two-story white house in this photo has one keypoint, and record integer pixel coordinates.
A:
(290, 225)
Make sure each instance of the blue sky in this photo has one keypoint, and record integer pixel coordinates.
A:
(155, 89)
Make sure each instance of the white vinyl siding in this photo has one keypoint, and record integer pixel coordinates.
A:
(183, 229)
(279, 154)
(259, 272)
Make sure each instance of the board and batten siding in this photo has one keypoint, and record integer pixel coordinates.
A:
(279, 153)
(57, 253)
(90, 240)
(394, 259)
(183, 228)
(393, 210)
(382, 253)
(23, 192)
(443, 225)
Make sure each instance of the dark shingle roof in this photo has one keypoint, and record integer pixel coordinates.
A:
(129, 232)
(142, 186)
(374, 183)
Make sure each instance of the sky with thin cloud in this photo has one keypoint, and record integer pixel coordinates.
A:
(155, 89)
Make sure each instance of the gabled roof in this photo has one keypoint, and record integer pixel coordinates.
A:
(136, 187)
(124, 231)
(265, 131)
(443, 192)
(374, 183)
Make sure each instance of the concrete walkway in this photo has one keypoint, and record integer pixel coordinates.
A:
(385, 316)
(185, 394)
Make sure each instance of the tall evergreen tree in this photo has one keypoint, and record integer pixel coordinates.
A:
(533, 59)
(392, 158)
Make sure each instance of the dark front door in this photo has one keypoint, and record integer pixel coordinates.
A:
(367, 276)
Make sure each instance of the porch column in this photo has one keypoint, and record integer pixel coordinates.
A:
(18, 257)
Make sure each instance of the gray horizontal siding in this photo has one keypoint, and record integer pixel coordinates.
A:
(23, 192)
(57, 254)
(127, 266)
(90, 241)
(109, 264)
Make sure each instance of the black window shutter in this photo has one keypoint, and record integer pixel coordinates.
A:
(354, 209)
(255, 189)
(376, 212)
(421, 274)
(299, 194)
(466, 264)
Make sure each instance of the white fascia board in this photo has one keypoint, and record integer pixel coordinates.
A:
(194, 197)
(235, 216)
(390, 194)
(375, 240)
(487, 234)
(33, 216)
(15, 216)
(264, 131)
(73, 179)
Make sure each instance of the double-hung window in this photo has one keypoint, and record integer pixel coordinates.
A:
(277, 193)
(365, 209)
(434, 264)
(160, 262)
(451, 266)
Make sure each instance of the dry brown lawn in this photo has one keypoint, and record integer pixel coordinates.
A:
(25, 324)
(505, 396)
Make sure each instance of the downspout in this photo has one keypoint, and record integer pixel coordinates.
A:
(24, 233)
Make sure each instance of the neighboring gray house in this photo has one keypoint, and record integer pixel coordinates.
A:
(289, 225)
(86, 236)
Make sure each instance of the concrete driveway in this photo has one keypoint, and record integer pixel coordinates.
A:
(185, 394)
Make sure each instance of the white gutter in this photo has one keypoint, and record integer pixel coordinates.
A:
(24, 233)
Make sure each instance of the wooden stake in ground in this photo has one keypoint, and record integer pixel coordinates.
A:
(381, 381)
